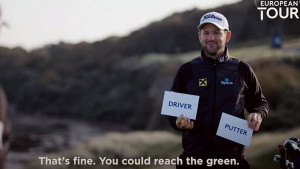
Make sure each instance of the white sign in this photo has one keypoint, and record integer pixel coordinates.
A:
(175, 104)
(234, 129)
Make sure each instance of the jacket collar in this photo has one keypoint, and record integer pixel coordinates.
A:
(221, 59)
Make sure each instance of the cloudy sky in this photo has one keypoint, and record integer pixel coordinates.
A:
(35, 23)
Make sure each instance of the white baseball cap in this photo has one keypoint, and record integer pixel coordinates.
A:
(215, 18)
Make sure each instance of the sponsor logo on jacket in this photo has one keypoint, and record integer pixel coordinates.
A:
(226, 81)
(203, 82)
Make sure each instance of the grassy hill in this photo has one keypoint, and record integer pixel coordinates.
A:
(129, 90)
(122, 79)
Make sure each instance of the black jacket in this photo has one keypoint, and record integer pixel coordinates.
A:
(225, 85)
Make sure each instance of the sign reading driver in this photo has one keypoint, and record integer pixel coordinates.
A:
(175, 104)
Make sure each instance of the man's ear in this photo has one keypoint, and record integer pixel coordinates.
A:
(199, 35)
(228, 35)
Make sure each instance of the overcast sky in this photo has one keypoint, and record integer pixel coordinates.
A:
(35, 23)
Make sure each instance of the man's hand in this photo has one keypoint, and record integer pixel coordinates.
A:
(254, 121)
(184, 123)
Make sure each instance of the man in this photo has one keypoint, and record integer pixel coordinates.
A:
(224, 84)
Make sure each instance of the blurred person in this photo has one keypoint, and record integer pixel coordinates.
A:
(4, 129)
(224, 84)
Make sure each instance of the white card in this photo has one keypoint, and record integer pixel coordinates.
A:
(234, 129)
(175, 104)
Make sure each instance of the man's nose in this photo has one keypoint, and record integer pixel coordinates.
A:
(211, 36)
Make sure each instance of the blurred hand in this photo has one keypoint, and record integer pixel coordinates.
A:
(254, 121)
(184, 123)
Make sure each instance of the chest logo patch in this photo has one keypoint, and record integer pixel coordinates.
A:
(203, 82)
(226, 81)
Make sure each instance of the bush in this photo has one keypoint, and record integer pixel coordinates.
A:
(275, 77)
(280, 83)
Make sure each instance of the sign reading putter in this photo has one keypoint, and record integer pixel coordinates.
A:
(234, 129)
(175, 104)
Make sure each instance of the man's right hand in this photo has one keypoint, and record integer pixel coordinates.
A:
(184, 123)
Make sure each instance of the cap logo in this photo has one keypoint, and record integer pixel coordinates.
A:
(211, 16)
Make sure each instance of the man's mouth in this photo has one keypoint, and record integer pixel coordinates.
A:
(211, 44)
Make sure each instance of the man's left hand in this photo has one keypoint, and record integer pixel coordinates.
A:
(254, 121)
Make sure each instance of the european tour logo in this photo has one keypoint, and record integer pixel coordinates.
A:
(284, 9)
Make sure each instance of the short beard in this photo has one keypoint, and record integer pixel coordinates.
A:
(213, 55)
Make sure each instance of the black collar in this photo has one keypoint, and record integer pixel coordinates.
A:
(221, 59)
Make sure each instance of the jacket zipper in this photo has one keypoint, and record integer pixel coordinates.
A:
(214, 104)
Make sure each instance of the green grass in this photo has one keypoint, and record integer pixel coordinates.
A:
(243, 52)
